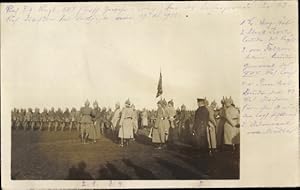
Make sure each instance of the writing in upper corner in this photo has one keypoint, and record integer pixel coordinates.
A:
(93, 13)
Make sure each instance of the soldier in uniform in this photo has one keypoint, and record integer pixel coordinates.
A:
(77, 120)
(116, 121)
(51, 118)
(144, 117)
(97, 119)
(166, 120)
(44, 118)
(19, 118)
(184, 125)
(200, 124)
(220, 125)
(35, 121)
(92, 128)
(159, 131)
(86, 121)
(171, 112)
(58, 119)
(66, 119)
(28, 119)
(103, 120)
(126, 123)
(109, 115)
(232, 125)
(23, 113)
(135, 120)
(211, 129)
(72, 118)
(14, 118)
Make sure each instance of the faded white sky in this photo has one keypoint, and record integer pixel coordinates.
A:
(63, 64)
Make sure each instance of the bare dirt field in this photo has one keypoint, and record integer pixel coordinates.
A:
(43, 155)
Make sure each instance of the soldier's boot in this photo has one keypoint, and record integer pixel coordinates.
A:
(49, 126)
(210, 152)
(12, 124)
(121, 142)
(102, 129)
(21, 125)
(41, 126)
(86, 137)
(62, 126)
(70, 126)
(45, 125)
(82, 138)
(38, 125)
(32, 126)
(55, 126)
(15, 126)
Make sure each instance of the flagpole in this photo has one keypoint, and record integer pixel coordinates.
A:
(161, 84)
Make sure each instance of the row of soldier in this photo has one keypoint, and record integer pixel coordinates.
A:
(51, 120)
(210, 127)
(54, 120)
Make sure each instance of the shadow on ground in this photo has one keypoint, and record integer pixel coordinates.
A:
(109, 171)
(140, 172)
(79, 173)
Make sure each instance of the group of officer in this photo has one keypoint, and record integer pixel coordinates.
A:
(210, 128)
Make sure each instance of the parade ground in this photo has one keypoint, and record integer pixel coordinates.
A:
(43, 155)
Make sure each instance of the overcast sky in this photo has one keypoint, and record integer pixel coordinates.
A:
(62, 65)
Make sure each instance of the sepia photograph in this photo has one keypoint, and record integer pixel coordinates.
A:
(147, 100)
(134, 91)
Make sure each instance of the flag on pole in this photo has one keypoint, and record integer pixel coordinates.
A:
(159, 87)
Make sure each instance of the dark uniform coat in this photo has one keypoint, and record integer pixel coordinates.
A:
(200, 127)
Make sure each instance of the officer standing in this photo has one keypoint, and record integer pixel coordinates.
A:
(171, 112)
(127, 124)
(144, 117)
(97, 119)
(183, 129)
(211, 129)
(232, 124)
(200, 125)
(159, 130)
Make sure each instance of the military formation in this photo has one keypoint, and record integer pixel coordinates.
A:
(209, 128)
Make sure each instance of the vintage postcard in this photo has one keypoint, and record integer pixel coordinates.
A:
(149, 94)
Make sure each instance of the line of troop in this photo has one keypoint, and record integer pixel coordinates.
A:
(209, 128)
